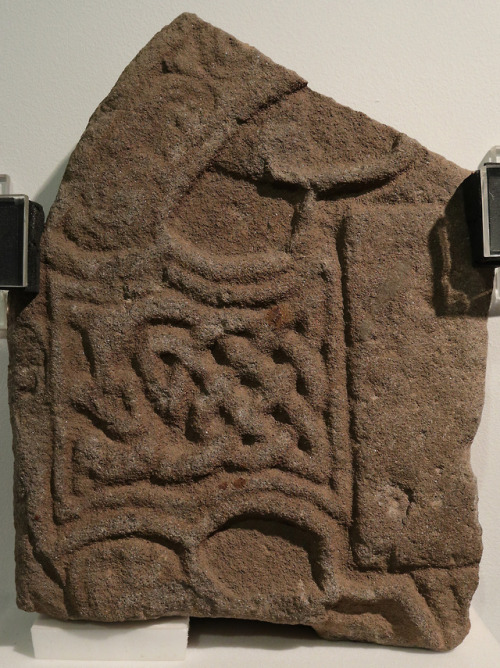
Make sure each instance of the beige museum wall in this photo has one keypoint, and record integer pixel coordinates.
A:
(429, 69)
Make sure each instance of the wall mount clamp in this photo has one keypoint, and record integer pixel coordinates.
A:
(21, 226)
(482, 208)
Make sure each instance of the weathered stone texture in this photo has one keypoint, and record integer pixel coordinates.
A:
(250, 382)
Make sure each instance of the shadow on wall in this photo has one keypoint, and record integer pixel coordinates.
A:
(216, 633)
(47, 193)
(15, 627)
(459, 288)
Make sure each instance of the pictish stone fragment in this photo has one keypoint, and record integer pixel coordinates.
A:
(249, 384)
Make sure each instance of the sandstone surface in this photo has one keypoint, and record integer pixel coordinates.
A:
(250, 382)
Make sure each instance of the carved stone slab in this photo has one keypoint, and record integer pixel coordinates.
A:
(250, 382)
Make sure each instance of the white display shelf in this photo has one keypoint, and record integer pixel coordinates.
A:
(158, 640)
(225, 643)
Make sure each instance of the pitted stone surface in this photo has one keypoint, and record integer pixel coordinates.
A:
(250, 382)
